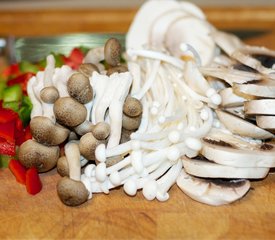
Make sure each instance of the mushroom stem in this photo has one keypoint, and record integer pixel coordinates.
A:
(72, 154)
(36, 105)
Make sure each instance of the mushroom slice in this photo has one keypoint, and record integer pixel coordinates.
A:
(203, 168)
(229, 43)
(260, 107)
(230, 75)
(46, 132)
(213, 192)
(263, 88)
(160, 26)
(228, 150)
(139, 30)
(230, 99)
(266, 122)
(197, 36)
(239, 126)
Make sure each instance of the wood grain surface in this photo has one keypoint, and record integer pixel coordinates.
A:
(117, 216)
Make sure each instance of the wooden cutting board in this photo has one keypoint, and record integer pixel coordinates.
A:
(117, 216)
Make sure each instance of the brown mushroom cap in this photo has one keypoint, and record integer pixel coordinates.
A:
(34, 154)
(87, 69)
(69, 112)
(62, 166)
(72, 193)
(112, 52)
(101, 130)
(117, 69)
(46, 132)
(130, 123)
(79, 88)
(87, 146)
(132, 107)
(125, 135)
(49, 94)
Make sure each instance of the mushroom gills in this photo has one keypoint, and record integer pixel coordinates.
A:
(234, 151)
(213, 192)
(201, 167)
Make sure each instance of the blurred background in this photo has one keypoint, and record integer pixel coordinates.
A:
(20, 4)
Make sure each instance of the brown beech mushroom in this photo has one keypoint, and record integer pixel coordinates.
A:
(46, 132)
(101, 130)
(62, 166)
(49, 94)
(32, 153)
(117, 69)
(130, 123)
(132, 107)
(79, 88)
(69, 112)
(87, 69)
(88, 144)
(112, 52)
(71, 191)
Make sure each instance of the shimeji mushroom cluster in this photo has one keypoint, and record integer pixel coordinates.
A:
(180, 111)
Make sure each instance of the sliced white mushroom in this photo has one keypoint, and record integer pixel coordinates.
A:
(229, 43)
(266, 122)
(230, 99)
(239, 126)
(260, 107)
(212, 192)
(197, 36)
(232, 151)
(203, 168)
(230, 75)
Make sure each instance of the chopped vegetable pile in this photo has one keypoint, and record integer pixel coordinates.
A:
(189, 105)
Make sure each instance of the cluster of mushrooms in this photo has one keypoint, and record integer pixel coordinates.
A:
(191, 106)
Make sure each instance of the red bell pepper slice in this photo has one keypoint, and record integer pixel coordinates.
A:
(75, 58)
(7, 148)
(22, 80)
(7, 115)
(7, 131)
(33, 182)
(12, 70)
(22, 135)
(18, 170)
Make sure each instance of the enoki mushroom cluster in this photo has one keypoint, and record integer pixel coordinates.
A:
(160, 118)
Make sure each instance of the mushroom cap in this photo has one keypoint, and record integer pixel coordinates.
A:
(112, 52)
(87, 69)
(34, 154)
(132, 107)
(101, 130)
(87, 146)
(49, 94)
(131, 123)
(69, 112)
(63, 166)
(72, 193)
(46, 132)
(79, 88)
(125, 135)
(117, 69)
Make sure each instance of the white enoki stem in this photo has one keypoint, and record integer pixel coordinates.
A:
(36, 105)
(149, 81)
(157, 56)
(99, 83)
(49, 71)
(134, 69)
(165, 183)
(60, 79)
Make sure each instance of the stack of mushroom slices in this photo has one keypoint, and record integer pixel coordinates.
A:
(238, 149)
